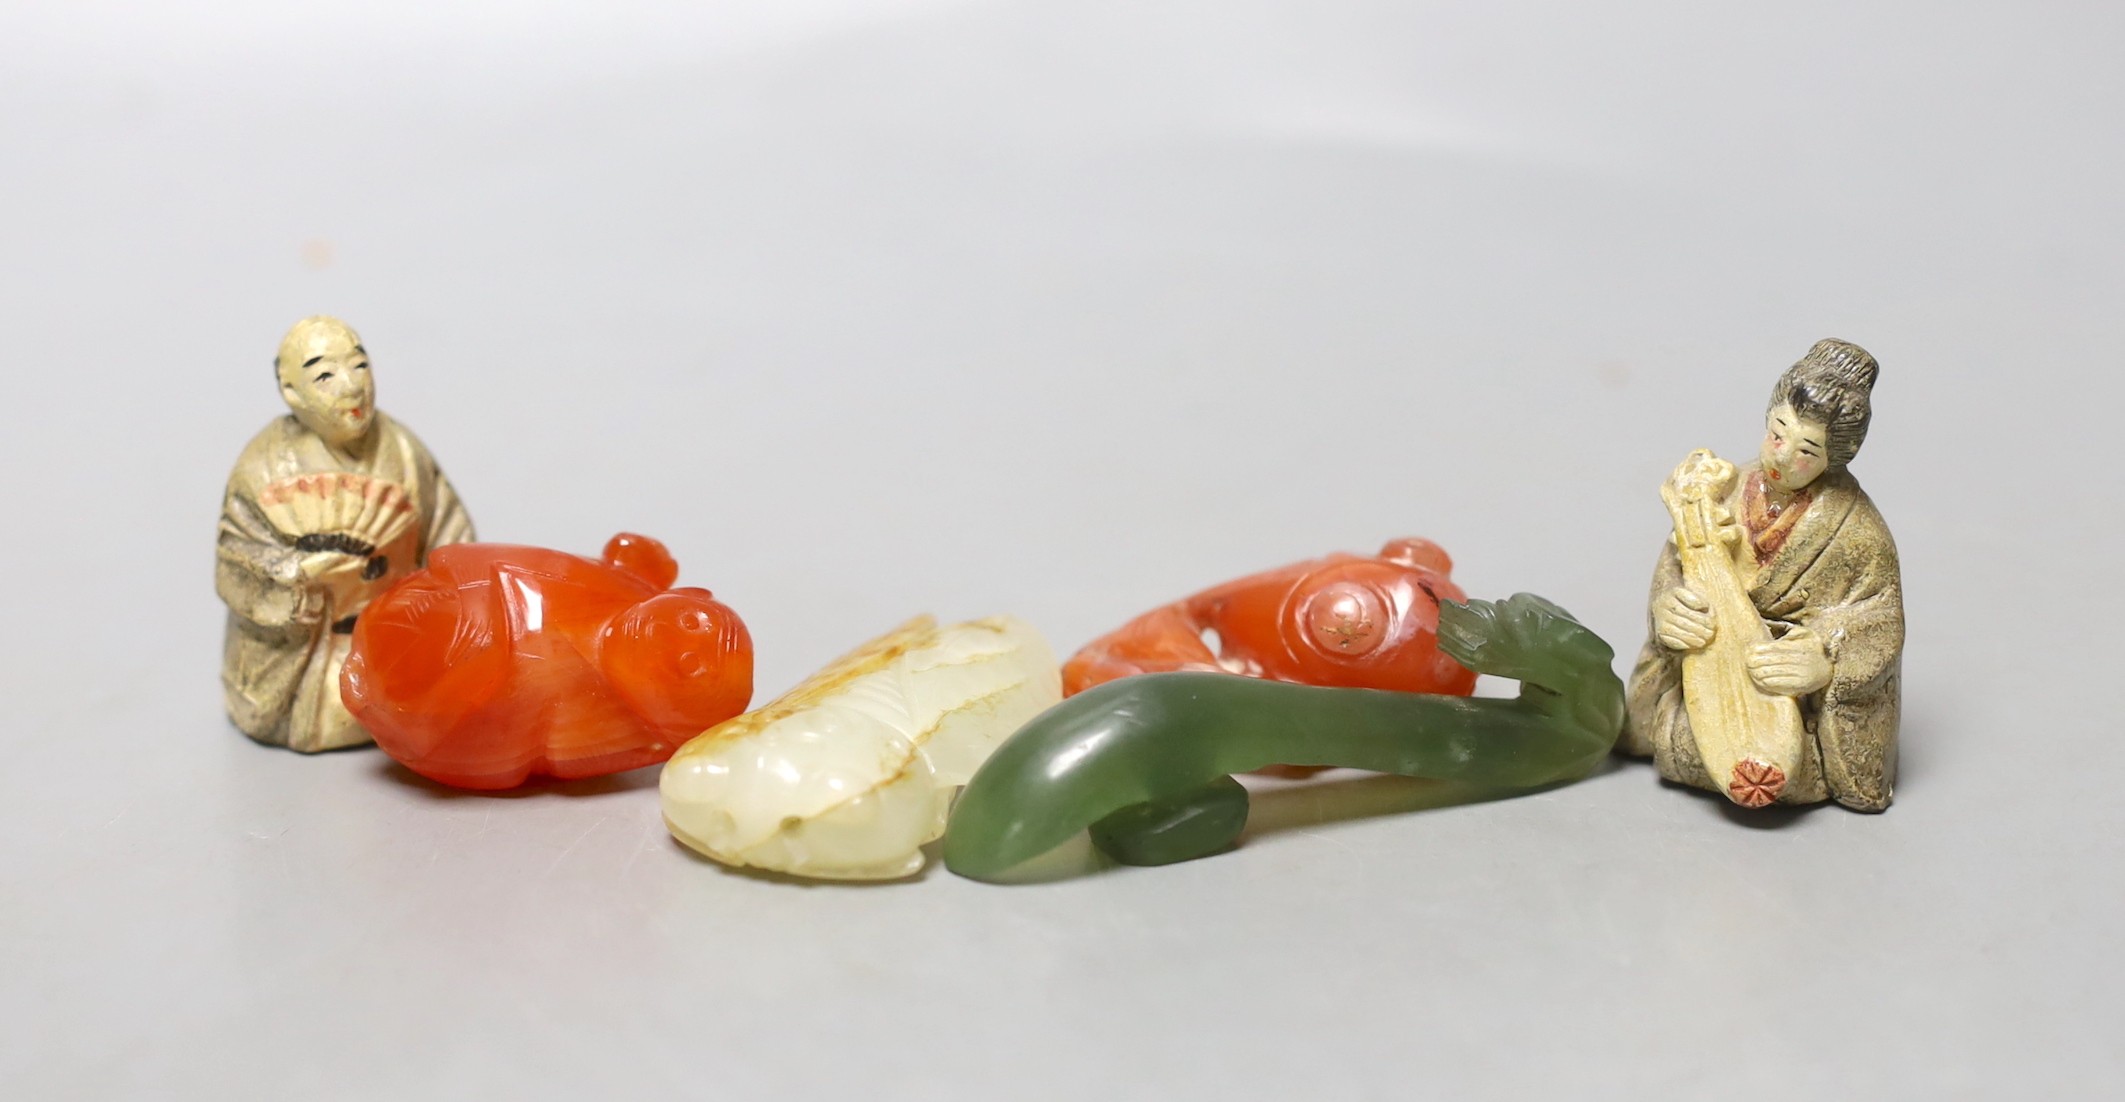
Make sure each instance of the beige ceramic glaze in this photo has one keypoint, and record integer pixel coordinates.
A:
(1749, 736)
(326, 507)
(1821, 624)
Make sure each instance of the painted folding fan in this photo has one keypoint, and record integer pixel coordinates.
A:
(337, 511)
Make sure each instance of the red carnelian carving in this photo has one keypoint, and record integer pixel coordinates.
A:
(495, 664)
(1347, 620)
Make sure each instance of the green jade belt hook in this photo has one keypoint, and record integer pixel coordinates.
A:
(1146, 762)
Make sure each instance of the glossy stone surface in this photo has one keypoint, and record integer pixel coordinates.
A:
(1349, 620)
(1146, 762)
(497, 663)
(848, 775)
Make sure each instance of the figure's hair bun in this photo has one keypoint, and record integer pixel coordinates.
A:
(1850, 363)
(1833, 384)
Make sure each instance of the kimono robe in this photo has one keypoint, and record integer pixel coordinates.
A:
(288, 635)
(1835, 573)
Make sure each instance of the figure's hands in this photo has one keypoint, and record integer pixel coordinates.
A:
(327, 579)
(1682, 620)
(1793, 666)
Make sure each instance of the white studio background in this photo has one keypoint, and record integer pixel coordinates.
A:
(1061, 309)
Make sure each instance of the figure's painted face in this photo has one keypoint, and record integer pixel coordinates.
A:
(1795, 449)
(324, 378)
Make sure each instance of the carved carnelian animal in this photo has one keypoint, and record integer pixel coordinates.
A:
(1349, 620)
(496, 663)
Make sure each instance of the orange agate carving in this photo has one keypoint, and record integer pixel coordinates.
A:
(1343, 620)
(496, 663)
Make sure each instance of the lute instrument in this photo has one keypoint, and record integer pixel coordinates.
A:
(1749, 740)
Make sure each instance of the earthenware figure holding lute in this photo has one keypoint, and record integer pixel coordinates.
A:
(1819, 634)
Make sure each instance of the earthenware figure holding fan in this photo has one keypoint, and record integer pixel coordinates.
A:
(1772, 671)
(326, 507)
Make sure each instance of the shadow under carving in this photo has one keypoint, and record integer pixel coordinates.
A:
(633, 780)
